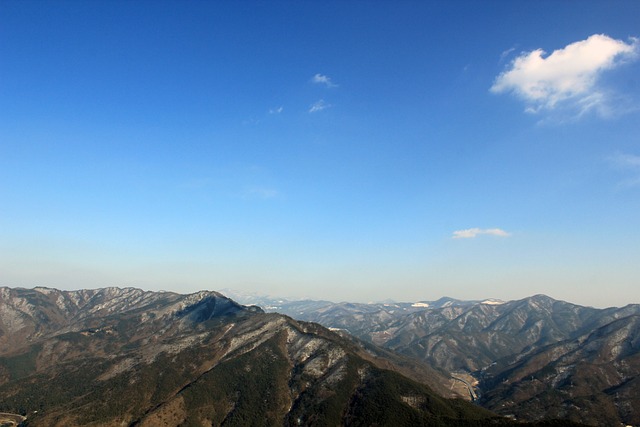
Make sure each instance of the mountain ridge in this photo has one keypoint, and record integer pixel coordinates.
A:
(489, 344)
(130, 357)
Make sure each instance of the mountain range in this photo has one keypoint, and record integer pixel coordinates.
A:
(534, 358)
(114, 357)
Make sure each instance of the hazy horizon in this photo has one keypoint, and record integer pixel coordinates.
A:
(348, 151)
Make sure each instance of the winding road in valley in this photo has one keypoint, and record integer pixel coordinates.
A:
(472, 392)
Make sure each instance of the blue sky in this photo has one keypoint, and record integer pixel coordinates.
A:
(339, 150)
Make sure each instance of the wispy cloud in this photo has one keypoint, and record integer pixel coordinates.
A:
(506, 53)
(323, 80)
(626, 160)
(263, 193)
(276, 110)
(630, 163)
(471, 233)
(568, 77)
(318, 106)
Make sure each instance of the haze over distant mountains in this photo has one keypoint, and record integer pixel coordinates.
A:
(533, 358)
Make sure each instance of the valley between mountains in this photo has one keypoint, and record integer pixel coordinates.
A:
(113, 357)
(531, 359)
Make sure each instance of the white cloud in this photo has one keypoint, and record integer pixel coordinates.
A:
(324, 80)
(318, 106)
(471, 233)
(277, 110)
(567, 77)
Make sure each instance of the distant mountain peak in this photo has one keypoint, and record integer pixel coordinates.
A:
(421, 304)
(492, 301)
